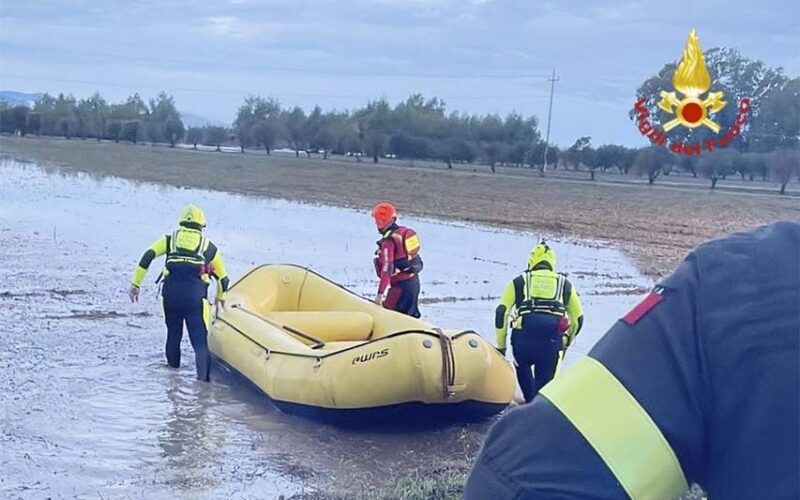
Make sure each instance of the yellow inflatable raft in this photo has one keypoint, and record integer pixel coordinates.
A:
(318, 350)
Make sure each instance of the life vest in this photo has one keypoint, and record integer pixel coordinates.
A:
(406, 251)
(186, 255)
(540, 291)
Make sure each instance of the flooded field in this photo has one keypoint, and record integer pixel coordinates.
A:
(87, 406)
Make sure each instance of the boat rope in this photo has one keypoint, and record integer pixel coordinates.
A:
(448, 373)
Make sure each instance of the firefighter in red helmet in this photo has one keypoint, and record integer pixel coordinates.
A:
(397, 262)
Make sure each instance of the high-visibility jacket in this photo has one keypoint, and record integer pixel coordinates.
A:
(541, 291)
(699, 383)
(189, 256)
(397, 257)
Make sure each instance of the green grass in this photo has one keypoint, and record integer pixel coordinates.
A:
(445, 483)
(439, 484)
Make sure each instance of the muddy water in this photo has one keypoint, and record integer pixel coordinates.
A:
(87, 406)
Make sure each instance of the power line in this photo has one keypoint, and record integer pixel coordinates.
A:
(222, 63)
(230, 91)
(553, 79)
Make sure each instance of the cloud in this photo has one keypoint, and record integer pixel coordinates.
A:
(480, 56)
(223, 25)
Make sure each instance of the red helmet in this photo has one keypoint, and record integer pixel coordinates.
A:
(384, 214)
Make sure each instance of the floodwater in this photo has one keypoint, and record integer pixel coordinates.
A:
(87, 406)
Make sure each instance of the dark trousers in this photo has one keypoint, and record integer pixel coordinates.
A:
(180, 308)
(536, 344)
(403, 297)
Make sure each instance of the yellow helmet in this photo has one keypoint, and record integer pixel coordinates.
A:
(192, 216)
(542, 253)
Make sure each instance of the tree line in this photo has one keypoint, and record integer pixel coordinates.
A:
(423, 129)
(133, 120)
(416, 129)
(781, 164)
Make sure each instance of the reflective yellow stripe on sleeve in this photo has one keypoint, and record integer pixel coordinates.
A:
(138, 276)
(619, 430)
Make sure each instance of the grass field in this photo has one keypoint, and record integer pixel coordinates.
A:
(656, 225)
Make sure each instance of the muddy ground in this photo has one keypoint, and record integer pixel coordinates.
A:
(656, 225)
(88, 408)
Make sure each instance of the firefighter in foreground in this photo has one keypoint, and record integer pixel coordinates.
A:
(698, 383)
(192, 260)
(397, 262)
(546, 316)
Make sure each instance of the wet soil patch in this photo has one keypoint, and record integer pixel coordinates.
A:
(452, 299)
(97, 315)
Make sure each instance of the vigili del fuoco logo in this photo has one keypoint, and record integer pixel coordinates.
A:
(692, 104)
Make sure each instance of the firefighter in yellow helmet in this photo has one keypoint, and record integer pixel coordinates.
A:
(192, 260)
(546, 316)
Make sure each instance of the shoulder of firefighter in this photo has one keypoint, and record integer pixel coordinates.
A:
(696, 384)
(540, 291)
(186, 250)
(398, 250)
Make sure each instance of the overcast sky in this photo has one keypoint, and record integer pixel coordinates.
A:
(481, 56)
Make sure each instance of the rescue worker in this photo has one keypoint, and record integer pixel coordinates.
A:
(546, 316)
(191, 260)
(697, 384)
(397, 262)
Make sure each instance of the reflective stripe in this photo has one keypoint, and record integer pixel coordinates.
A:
(552, 303)
(187, 255)
(406, 254)
(529, 284)
(206, 313)
(560, 289)
(191, 256)
(412, 245)
(619, 430)
(138, 275)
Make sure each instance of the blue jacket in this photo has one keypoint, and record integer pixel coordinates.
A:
(699, 383)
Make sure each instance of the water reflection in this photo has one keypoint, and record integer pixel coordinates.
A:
(189, 438)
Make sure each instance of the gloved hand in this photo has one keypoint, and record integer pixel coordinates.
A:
(566, 341)
(133, 293)
(501, 350)
(379, 299)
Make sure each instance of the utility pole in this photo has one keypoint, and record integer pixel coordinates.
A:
(552, 81)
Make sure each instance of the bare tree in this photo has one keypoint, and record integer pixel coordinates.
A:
(784, 165)
(650, 161)
(214, 136)
(296, 130)
(194, 135)
(715, 166)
